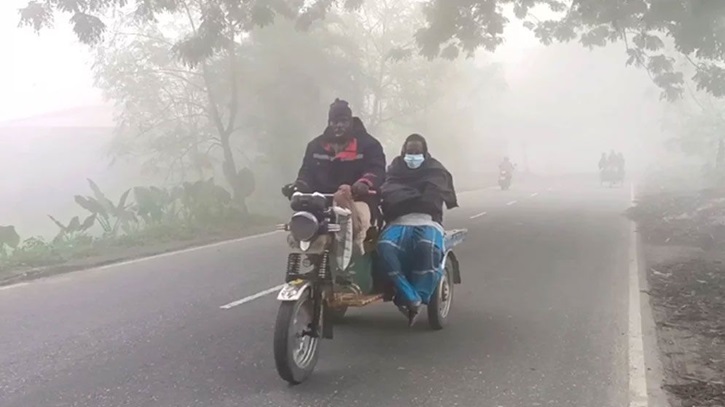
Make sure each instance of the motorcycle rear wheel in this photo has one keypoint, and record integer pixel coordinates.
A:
(440, 304)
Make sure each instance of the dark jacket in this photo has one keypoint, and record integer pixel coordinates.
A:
(362, 160)
(422, 190)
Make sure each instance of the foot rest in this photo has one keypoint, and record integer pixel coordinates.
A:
(355, 300)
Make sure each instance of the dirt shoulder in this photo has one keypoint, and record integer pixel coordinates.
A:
(685, 256)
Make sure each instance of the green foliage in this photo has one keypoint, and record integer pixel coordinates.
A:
(646, 27)
(110, 216)
(35, 252)
(9, 239)
(74, 229)
(186, 212)
(207, 204)
(700, 131)
(156, 205)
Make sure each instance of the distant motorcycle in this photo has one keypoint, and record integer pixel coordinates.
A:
(504, 179)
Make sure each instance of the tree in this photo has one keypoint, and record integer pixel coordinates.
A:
(216, 21)
(180, 110)
(291, 77)
(701, 130)
(645, 26)
(163, 105)
(398, 84)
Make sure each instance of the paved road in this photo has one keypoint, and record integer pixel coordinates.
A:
(541, 320)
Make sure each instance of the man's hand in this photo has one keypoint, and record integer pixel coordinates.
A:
(360, 189)
(297, 186)
(288, 190)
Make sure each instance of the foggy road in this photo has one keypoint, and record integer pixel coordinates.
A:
(541, 319)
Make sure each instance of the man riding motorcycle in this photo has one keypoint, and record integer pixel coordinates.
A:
(506, 165)
(506, 169)
(344, 158)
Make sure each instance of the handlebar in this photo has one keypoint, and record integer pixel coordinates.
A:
(371, 192)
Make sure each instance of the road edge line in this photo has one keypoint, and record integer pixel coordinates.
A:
(650, 357)
(39, 274)
(637, 372)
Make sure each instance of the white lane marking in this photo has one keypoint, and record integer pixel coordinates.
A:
(535, 194)
(482, 189)
(252, 297)
(638, 396)
(7, 287)
(512, 203)
(478, 215)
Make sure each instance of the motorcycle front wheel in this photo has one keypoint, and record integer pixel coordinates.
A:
(295, 351)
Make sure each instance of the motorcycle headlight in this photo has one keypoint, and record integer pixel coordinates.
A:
(303, 226)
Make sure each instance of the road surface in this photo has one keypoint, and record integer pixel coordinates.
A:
(541, 319)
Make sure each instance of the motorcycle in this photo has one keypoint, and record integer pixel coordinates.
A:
(504, 180)
(325, 276)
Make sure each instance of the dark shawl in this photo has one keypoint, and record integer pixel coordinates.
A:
(421, 190)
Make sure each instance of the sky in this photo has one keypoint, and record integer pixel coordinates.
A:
(45, 73)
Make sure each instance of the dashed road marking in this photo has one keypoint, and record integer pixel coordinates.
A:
(478, 215)
(512, 203)
(252, 297)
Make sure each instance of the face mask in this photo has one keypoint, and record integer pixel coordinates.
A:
(414, 161)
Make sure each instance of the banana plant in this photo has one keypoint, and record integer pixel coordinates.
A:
(9, 239)
(155, 205)
(74, 229)
(205, 202)
(110, 216)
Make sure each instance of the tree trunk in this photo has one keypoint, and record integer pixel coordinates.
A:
(233, 177)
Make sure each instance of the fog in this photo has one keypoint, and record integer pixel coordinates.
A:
(552, 109)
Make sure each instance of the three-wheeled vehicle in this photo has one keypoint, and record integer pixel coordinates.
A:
(612, 176)
(325, 276)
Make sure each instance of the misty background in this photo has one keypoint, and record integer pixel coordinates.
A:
(552, 109)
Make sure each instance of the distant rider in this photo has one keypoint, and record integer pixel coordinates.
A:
(620, 164)
(603, 162)
(506, 165)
